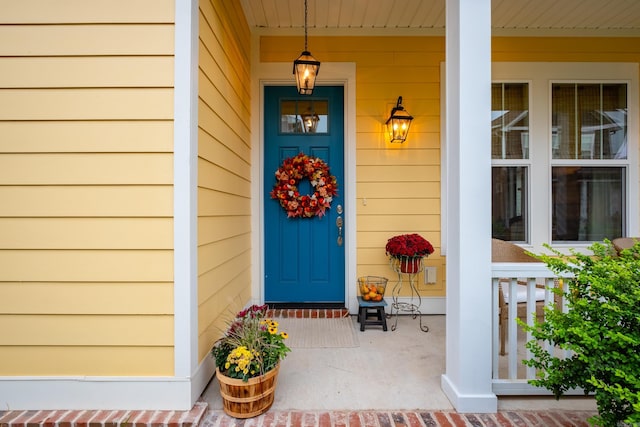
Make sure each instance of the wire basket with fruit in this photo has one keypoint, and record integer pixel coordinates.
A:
(371, 288)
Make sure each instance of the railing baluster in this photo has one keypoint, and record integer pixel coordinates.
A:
(532, 314)
(495, 334)
(512, 336)
(507, 276)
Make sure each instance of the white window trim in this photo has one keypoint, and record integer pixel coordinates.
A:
(540, 77)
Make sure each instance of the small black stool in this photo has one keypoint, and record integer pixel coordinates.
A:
(372, 310)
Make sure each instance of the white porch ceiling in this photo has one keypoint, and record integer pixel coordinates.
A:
(606, 17)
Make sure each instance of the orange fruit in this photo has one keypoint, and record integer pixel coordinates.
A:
(366, 297)
(372, 295)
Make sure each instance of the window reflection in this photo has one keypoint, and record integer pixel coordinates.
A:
(589, 121)
(304, 116)
(508, 203)
(588, 203)
(510, 121)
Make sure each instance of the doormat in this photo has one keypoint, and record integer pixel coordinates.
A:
(319, 333)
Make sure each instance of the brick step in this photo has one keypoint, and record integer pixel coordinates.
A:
(200, 416)
(308, 313)
(104, 418)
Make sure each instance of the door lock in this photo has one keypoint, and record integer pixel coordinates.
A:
(339, 223)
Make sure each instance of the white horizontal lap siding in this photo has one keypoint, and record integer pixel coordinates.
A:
(86, 179)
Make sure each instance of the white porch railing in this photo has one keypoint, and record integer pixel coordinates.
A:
(526, 287)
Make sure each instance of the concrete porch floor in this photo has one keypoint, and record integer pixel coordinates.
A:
(393, 370)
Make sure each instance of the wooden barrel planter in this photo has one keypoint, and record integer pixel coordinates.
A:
(248, 399)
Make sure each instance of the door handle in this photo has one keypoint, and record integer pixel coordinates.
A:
(339, 223)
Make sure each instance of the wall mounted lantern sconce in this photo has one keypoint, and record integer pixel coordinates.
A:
(306, 67)
(398, 123)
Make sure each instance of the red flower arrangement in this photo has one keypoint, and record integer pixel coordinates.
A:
(294, 169)
(408, 245)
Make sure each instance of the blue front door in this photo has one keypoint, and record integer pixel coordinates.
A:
(304, 257)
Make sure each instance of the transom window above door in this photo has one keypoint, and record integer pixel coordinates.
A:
(304, 117)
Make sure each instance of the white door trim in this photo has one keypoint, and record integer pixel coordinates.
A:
(340, 74)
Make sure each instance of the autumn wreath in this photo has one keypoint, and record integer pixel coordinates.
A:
(289, 175)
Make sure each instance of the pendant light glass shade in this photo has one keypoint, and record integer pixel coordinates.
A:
(398, 123)
(306, 67)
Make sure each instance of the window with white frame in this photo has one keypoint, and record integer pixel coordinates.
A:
(564, 153)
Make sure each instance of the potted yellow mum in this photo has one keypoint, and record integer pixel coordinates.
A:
(247, 361)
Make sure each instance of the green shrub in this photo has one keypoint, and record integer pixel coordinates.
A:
(601, 328)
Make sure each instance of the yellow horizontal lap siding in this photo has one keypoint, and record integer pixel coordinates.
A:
(214, 79)
(86, 265)
(216, 228)
(80, 201)
(407, 90)
(420, 206)
(86, 298)
(402, 157)
(224, 180)
(229, 250)
(225, 130)
(226, 302)
(86, 233)
(86, 179)
(211, 148)
(86, 330)
(86, 104)
(219, 203)
(398, 173)
(81, 168)
(86, 39)
(397, 190)
(411, 73)
(402, 223)
(224, 167)
(86, 361)
(86, 136)
(81, 11)
(83, 71)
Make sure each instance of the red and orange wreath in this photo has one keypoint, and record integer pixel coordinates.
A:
(289, 175)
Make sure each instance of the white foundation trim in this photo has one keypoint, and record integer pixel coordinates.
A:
(85, 393)
(469, 403)
(89, 393)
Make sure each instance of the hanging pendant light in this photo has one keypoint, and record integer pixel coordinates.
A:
(306, 67)
(398, 123)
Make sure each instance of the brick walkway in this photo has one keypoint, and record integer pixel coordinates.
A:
(199, 416)
(401, 419)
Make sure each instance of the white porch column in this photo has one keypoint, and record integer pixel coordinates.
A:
(467, 378)
(185, 165)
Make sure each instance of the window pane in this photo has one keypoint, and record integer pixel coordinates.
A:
(588, 203)
(509, 203)
(297, 116)
(510, 121)
(589, 121)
